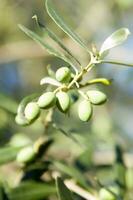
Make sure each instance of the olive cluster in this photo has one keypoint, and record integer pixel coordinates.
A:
(61, 98)
(92, 97)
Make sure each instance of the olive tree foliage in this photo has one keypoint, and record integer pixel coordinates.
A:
(67, 85)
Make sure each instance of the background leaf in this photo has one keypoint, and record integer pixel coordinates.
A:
(32, 191)
(8, 103)
(8, 154)
(63, 191)
(115, 39)
(61, 23)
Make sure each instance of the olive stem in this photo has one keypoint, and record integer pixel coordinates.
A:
(83, 95)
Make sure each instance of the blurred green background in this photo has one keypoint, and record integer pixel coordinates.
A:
(23, 63)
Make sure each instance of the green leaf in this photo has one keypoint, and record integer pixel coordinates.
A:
(103, 81)
(59, 42)
(31, 191)
(63, 192)
(8, 104)
(115, 39)
(114, 62)
(60, 22)
(8, 154)
(54, 37)
(46, 46)
(49, 80)
(72, 172)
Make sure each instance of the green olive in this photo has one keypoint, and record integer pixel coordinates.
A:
(47, 100)
(31, 111)
(63, 101)
(104, 194)
(20, 140)
(26, 155)
(63, 75)
(96, 97)
(21, 120)
(85, 110)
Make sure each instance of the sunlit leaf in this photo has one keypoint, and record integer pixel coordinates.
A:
(32, 191)
(46, 46)
(62, 190)
(49, 80)
(115, 39)
(61, 23)
(103, 81)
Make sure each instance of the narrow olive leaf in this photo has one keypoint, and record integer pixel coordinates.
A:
(115, 39)
(46, 46)
(54, 37)
(72, 172)
(63, 192)
(49, 80)
(8, 103)
(59, 42)
(8, 154)
(113, 62)
(31, 191)
(61, 23)
(103, 81)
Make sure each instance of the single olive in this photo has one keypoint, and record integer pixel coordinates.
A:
(20, 140)
(47, 100)
(25, 155)
(63, 101)
(104, 194)
(63, 74)
(96, 97)
(31, 111)
(21, 120)
(85, 110)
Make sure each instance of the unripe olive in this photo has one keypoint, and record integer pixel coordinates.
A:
(20, 140)
(21, 120)
(63, 75)
(47, 100)
(96, 97)
(106, 195)
(31, 111)
(85, 110)
(26, 155)
(63, 101)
